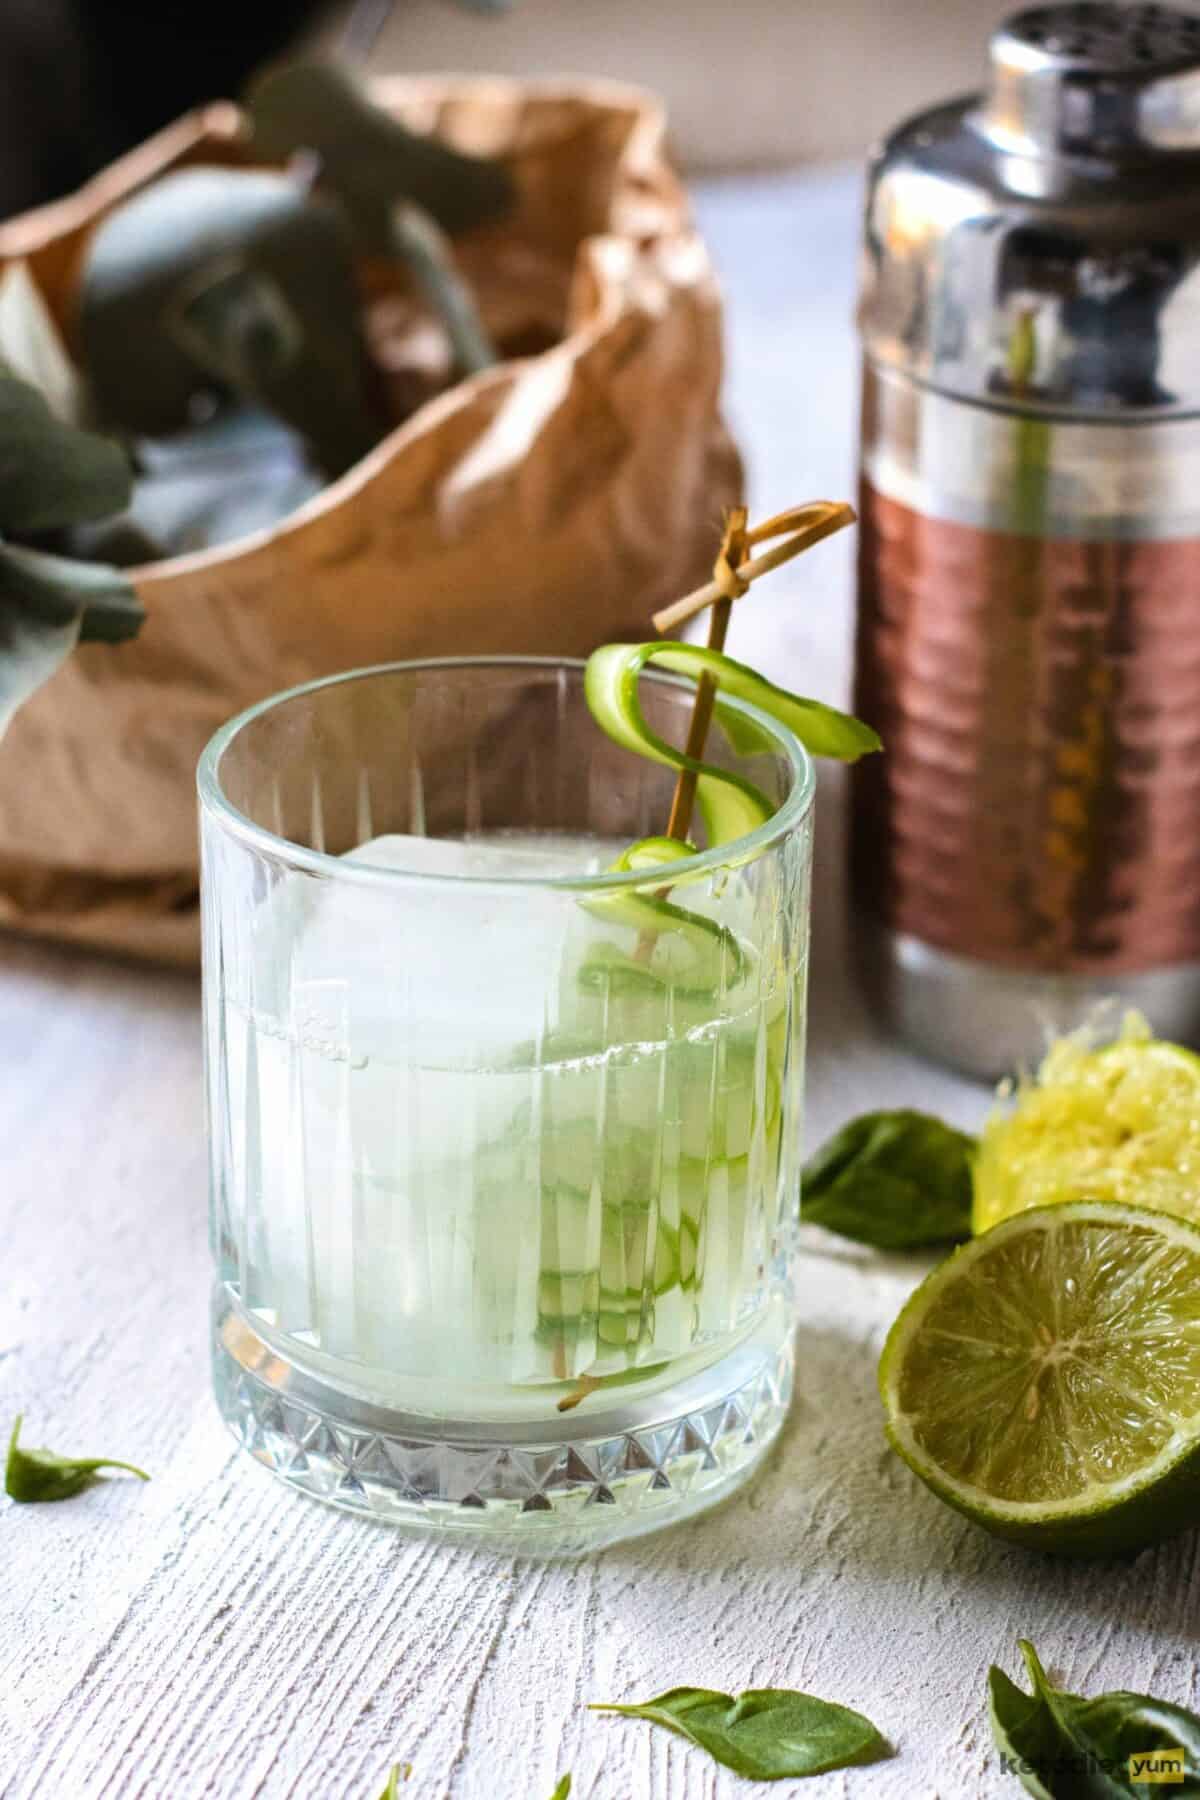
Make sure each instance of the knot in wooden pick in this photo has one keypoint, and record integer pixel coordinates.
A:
(735, 548)
(798, 529)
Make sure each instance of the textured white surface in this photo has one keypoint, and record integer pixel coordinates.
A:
(214, 1635)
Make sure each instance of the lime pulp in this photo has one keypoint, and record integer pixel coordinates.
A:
(1045, 1378)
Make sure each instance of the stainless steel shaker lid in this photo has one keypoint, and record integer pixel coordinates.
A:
(1037, 244)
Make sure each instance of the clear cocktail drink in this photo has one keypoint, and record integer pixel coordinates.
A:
(503, 1175)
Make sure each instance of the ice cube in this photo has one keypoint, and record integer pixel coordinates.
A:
(423, 970)
(504, 855)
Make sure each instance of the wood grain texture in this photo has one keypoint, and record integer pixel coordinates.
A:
(213, 1635)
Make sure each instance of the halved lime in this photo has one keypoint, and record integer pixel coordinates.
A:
(1045, 1378)
(1120, 1123)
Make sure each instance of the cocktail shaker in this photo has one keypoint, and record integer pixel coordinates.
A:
(1029, 581)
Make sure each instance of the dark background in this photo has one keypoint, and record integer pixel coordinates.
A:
(749, 85)
(83, 80)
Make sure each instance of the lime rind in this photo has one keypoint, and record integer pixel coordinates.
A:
(1118, 1123)
(979, 1385)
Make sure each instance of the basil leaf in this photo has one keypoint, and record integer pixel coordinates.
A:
(894, 1180)
(767, 1734)
(47, 604)
(1024, 1732)
(1063, 1747)
(397, 1773)
(563, 1789)
(31, 1475)
(52, 474)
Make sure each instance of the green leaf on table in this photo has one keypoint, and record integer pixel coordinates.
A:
(47, 605)
(1063, 1747)
(368, 158)
(31, 1475)
(563, 1789)
(396, 1774)
(894, 1180)
(767, 1734)
(52, 474)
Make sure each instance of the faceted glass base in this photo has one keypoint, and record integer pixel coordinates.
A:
(563, 1486)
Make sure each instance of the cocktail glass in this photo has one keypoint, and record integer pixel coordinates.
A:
(505, 1170)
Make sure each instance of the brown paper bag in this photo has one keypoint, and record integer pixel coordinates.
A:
(542, 506)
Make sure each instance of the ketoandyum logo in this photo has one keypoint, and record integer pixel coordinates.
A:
(1158, 1766)
(1149, 1767)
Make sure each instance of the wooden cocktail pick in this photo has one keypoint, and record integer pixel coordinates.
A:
(733, 572)
(735, 569)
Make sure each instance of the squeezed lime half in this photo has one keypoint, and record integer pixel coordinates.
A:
(1118, 1123)
(1045, 1379)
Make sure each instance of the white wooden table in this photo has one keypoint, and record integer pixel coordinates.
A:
(212, 1634)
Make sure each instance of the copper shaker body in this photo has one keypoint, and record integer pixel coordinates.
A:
(1029, 573)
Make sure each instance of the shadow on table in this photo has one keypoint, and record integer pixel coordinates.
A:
(832, 1493)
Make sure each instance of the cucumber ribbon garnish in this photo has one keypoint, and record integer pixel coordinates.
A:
(683, 948)
(730, 806)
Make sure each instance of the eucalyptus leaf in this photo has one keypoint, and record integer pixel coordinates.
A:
(47, 604)
(234, 279)
(894, 1180)
(57, 590)
(32, 346)
(240, 472)
(35, 1475)
(419, 241)
(52, 474)
(367, 157)
(767, 1734)
(32, 648)
(121, 541)
(1063, 1747)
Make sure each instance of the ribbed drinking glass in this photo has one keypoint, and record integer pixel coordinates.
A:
(505, 1171)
